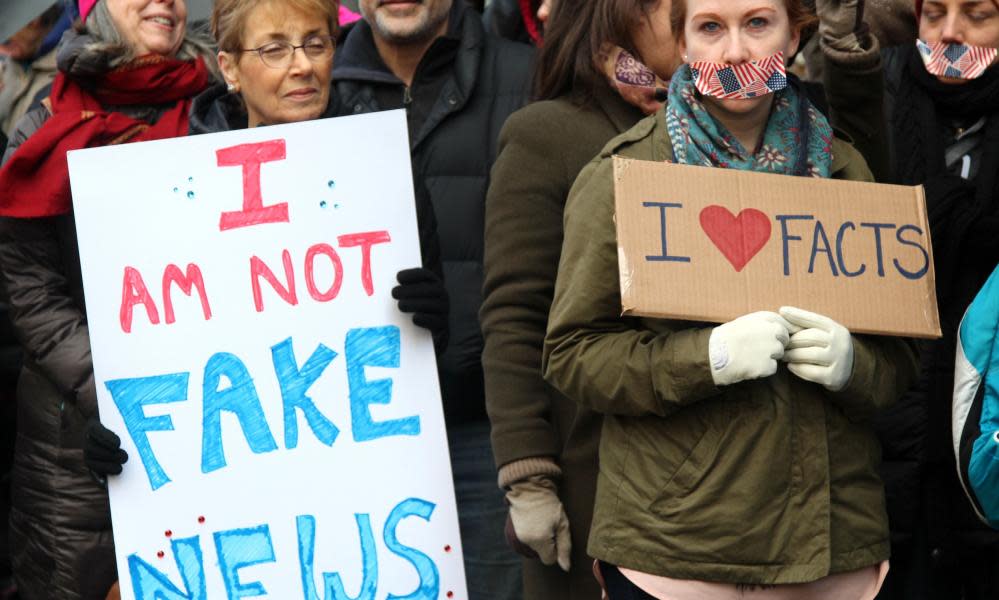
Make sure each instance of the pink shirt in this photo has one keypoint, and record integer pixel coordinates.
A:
(862, 584)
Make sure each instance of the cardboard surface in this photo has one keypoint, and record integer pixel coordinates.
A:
(713, 244)
(282, 418)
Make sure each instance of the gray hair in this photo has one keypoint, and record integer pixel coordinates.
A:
(107, 49)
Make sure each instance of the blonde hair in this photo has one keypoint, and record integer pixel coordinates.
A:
(229, 18)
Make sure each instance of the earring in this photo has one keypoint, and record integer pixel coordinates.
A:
(685, 58)
(230, 87)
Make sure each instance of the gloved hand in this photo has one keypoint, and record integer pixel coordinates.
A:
(422, 292)
(841, 24)
(102, 451)
(747, 348)
(539, 520)
(820, 351)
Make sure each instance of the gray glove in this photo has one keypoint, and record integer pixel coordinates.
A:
(841, 25)
(539, 520)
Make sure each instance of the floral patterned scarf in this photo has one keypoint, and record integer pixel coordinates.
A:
(635, 82)
(796, 141)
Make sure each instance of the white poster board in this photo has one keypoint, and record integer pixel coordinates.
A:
(282, 417)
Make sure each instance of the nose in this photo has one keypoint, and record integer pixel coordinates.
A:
(544, 11)
(735, 52)
(300, 63)
(952, 32)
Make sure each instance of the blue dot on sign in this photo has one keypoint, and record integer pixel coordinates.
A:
(190, 195)
(175, 190)
(331, 184)
(190, 179)
(336, 206)
(322, 204)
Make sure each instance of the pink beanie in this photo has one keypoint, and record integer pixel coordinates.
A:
(347, 16)
(85, 7)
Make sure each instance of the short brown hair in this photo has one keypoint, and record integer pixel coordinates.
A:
(229, 17)
(798, 15)
(575, 32)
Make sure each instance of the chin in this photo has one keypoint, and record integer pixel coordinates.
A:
(952, 80)
(740, 107)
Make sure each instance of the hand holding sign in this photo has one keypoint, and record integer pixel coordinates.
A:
(820, 351)
(747, 348)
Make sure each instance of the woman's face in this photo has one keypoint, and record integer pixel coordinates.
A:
(288, 91)
(735, 32)
(150, 26)
(971, 22)
(654, 41)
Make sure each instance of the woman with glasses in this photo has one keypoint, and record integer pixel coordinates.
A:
(276, 57)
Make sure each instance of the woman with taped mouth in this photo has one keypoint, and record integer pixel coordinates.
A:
(738, 460)
(127, 72)
(942, 100)
(276, 58)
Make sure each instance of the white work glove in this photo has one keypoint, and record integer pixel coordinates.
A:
(747, 348)
(539, 520)
(821, 350)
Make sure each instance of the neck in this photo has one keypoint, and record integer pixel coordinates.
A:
(747, 126)
(403, 58)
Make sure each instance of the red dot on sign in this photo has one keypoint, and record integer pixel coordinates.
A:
(201, 519)
(160, 554)
(168, 533)
(450, 594)
(447, 548)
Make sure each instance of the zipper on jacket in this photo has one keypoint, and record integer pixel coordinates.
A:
(407, 96)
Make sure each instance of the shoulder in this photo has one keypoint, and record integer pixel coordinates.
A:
(848, 163)
(31, 122)
(636, 142)
(551, 122)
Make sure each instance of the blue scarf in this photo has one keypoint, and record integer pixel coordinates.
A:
(796, 141)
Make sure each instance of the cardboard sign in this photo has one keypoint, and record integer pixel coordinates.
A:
(714, 244)
(282, 418)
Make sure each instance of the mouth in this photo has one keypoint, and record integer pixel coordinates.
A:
(302, 94)
(400, 3)
(161, 21)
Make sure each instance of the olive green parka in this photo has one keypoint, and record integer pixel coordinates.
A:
(769, 481)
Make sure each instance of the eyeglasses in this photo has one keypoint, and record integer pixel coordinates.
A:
(278, 55)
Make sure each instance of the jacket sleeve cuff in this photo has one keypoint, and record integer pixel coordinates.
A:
(854, 398)
(857, 51)
(519, 470)
(686, 361)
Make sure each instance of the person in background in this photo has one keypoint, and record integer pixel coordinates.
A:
(458, 85)
(728, 524)
(130, 68)
(943, 120)
(518, 20)
(28, 62)
(605, 65)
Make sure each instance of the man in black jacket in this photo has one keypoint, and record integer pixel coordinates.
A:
(458, 85)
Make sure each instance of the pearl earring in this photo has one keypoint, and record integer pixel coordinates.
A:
(230, 87)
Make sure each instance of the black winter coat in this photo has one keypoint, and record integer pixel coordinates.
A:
(466, 86)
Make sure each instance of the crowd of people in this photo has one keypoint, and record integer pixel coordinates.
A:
(777, 455)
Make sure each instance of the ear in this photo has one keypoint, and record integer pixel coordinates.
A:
(681, 45)
(793, 43)
(229, 65)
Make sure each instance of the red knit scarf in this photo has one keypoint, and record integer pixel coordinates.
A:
(35, 180)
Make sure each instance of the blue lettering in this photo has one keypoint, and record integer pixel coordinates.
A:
(332, 582)
(374, 347)
(839, 251)
(820, 233)
(239, 398)
(429, 584)
(787, 237)
(294, 385)
(239, 548)
(877, 227)
(150, 584)
(664, 257)
(926, 257)
(130, 396)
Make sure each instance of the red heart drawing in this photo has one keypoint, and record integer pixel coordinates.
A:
(739, 238)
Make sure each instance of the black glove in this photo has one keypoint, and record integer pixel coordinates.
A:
(102, 450)
(422, 292)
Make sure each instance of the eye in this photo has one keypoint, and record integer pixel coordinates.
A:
(758, 22)
(274, 50)
(710, 27)
(979, 16)
(316, 45)
(932, 16)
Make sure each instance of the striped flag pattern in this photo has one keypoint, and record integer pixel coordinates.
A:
(747, 80)
(959, 61)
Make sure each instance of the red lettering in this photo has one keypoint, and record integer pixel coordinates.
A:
(258, 268)
(310, 281)
(365, 241)
(250, 157)
(192, 279)
(133, 291)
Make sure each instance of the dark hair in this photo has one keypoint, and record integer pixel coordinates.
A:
(798, 15)
(575, 31)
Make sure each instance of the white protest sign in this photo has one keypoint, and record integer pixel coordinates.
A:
(282, 417)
